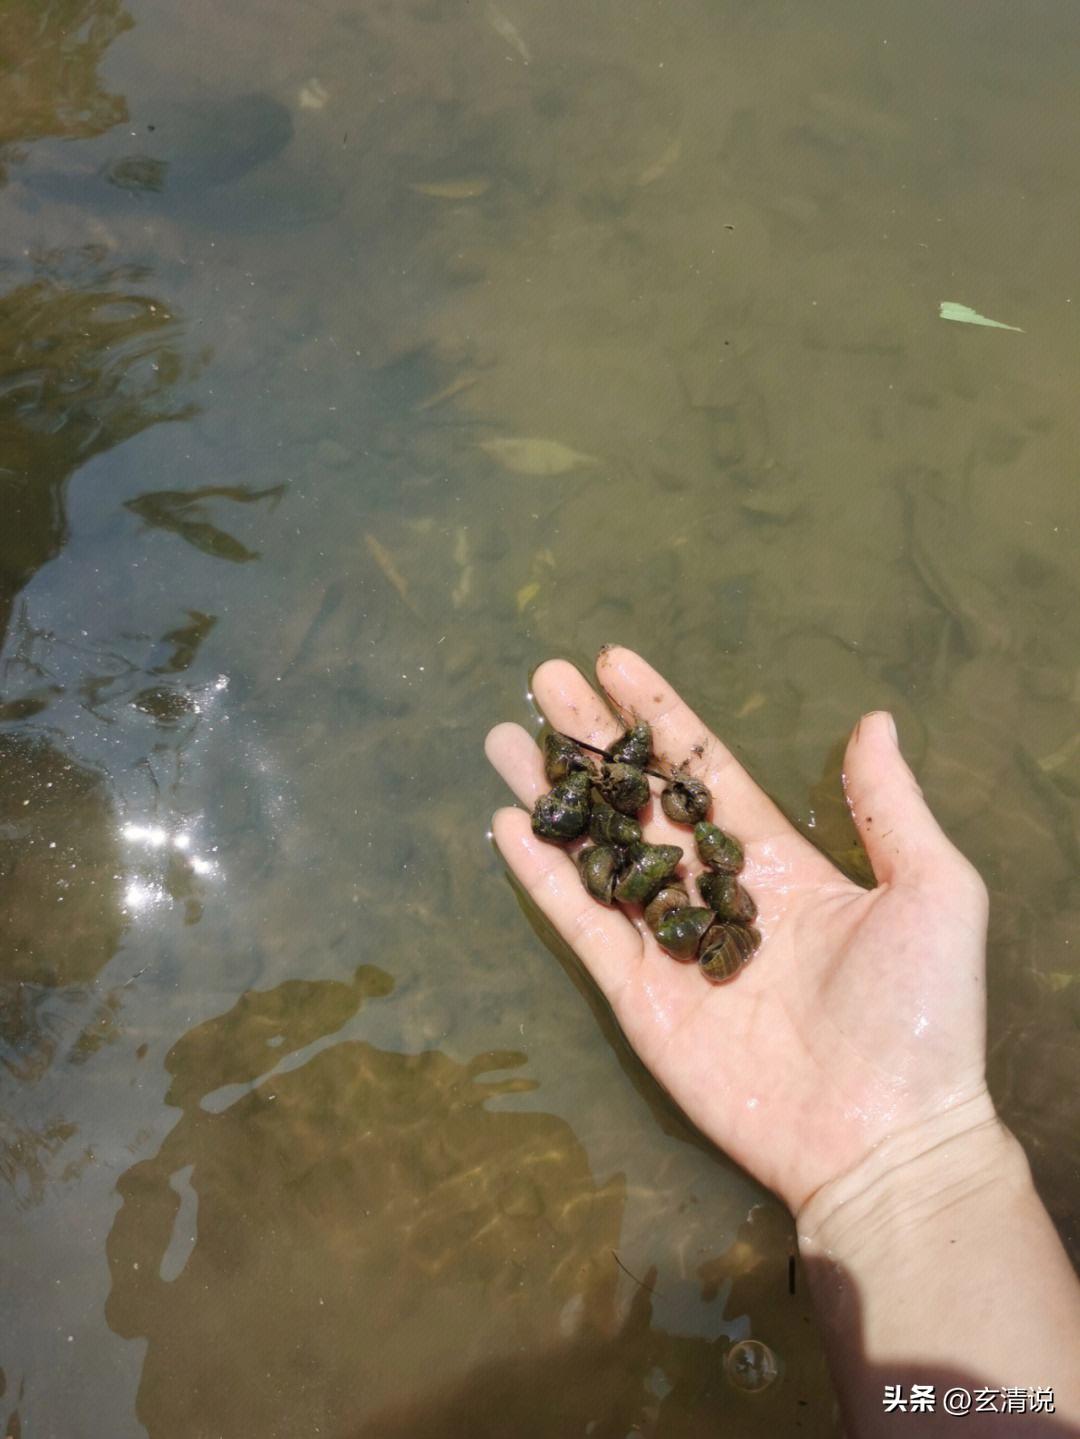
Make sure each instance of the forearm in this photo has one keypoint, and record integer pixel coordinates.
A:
(936, 1263)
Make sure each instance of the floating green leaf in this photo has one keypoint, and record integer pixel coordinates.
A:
(953, 310)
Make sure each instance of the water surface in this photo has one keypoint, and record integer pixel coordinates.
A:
(306, 1125)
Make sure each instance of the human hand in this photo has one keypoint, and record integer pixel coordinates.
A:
(862, 1016)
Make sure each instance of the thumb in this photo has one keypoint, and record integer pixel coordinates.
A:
(900, 835)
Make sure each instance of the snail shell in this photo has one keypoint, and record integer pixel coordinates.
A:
(718, 850)
(672, 896)
(680, 931)
(562, 756)
(599, 865)
(686, 800)
(608, 826)
(647, 870)
(725, 895)
(625, 787)
(726, 947)
(563, 812)
(751, 1365)
(634, 747)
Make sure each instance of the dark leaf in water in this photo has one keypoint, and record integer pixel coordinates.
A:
(181, 512)
(185, 642)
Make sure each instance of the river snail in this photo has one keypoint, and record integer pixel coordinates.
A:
(725, 948)
(599, 865)
(726, 897)
(597, 794)
(716, 849)
(685, 799)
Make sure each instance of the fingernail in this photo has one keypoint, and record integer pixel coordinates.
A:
(889, 718)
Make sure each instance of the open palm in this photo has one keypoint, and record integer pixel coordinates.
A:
(863, 1012)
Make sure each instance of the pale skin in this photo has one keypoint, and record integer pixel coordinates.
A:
(844, 1066)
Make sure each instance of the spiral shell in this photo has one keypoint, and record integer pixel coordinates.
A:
(726, 947)
(562, 756)
(608, 826)
(648, 868)
(725, 895)
(672, 896)
(599, 865)
(563, 812)
(686, 800)
(680, 931)
(751, 1366)
(718, 851)
(634, 747)
(625, 787)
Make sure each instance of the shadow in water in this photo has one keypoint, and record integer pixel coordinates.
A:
(580, 1388)
(86, 362)
(330, 1227)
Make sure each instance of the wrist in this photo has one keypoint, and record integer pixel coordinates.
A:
(911, 1178)
(933, 1261)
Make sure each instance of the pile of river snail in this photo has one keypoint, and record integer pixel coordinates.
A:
(599, 793)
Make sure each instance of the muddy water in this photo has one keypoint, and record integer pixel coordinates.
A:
(306, 1127)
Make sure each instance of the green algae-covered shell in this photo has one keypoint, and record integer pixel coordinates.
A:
(599, 865)
(648, 867)
(725, 895)
(625, 787)
(634, 747)
(563, 812)
(686, 800)
(608, 826)
(680, 931)
(725, 948)
(562, 756)
(672, 896)
(718, 850)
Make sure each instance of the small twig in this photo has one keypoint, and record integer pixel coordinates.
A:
(639, 1282)
(584, 744)
(606, 754)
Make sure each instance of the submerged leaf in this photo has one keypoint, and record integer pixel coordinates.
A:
(1055, 980)
(386, 563)
(526, 595)
(953, 310)
(508, 31)
(468, 189)
(181, 511)
(661, 166)
(531, 456)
